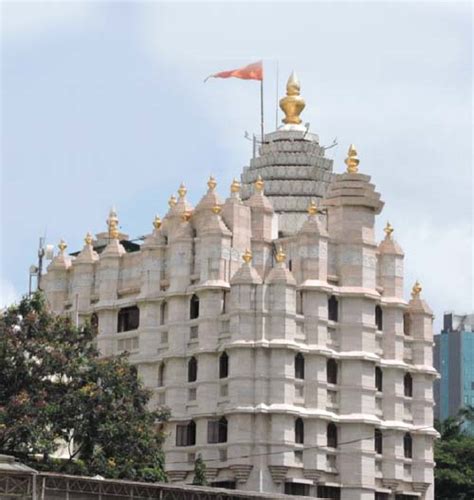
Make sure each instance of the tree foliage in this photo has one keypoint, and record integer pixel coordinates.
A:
(55, 389)
(454, 457)
(200, 472)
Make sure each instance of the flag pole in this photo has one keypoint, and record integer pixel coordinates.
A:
(261, 108)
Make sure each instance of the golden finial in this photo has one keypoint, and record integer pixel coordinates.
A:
(112, 223)
(62, 246)
(88, 239)
(216, 209)
(235, 186)
(416, 290)
(313, 208)
(182, 190)
(352, 160)
(247, 256)
(293, 104)
(280, 256)
(388, 230)
(186, 216)
(211, 183)
(172, 201)
(259, 184)
(157, 222)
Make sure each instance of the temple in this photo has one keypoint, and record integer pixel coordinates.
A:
(274, 326)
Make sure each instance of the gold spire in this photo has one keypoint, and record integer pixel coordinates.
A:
(352, 160)
(172, 201)
(247, 256)
(157, 222)
(293, 104)
(313, 208)
(280, 256)
(88, 239)
(235, 186)
(211, 183)
(216, 209)
(259, 184)
(62, 246)
(416, 290)
(112, 223)
(182, 190)
(388, 230)
(186, 216)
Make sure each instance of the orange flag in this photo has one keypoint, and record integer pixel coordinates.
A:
(251, 72)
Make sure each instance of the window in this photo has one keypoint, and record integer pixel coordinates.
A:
(128, 319)
(378, 441)
(299, 489)
(406, 324)
(299, 302)
(94, 323)
(381, 496)
(290, 265)
(161, 375)
(186, 434)
(407, 446)
(223, 365)
(379, 318)
(333, 308)
(194, 307)
(192, 369)
(217, 431)
(331, 371)
(163, 313)
(378, 379)
(332, 436)
(408, 385)
(332, 492)
(225, 300)
(299, 431)
(299, 366)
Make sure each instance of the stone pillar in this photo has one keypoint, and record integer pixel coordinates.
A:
(56, 281)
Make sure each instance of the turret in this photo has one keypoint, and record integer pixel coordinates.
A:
(56, 281)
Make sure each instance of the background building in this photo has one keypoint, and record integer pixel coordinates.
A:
(287, 353)
(454, 360)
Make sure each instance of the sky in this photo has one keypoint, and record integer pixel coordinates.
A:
(103, 104)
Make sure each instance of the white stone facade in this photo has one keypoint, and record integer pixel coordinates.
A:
(325, 387)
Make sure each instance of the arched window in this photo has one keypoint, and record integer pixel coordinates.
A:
(378, 441)
(299, 431)
(331, 436)
(407, 446)
(331, 371)
(408, 385)
(299, 366)
(161, 375)
(128, 319)
(379, 318)
(192, 369)
(163, 313)
(223, 365)
(333, 308)
(94, 323)
(406, 324)
(378, 379)
(194, 307)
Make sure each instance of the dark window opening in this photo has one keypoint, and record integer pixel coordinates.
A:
(333, 309)
(299, 431)
(378, 441)
(299, 366)
(378, 379)
(194, 307)
(332, 492)
(161, 375)
(225, 299)
(406, 324)
(217, 431)
(290, 265)
(192, 369)
(297, 489)
(332, 436)
(128, 319)
(381, 496)
(407, 446)
(186, 434)
(94, 321)
(379, 318)
(163, 313)
(408, 385)
(299, 302)
(223, 365)
(331, 371)
(227, 485)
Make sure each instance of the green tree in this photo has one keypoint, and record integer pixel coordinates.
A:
(454, 457)
(200, 472)
(54, 388)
